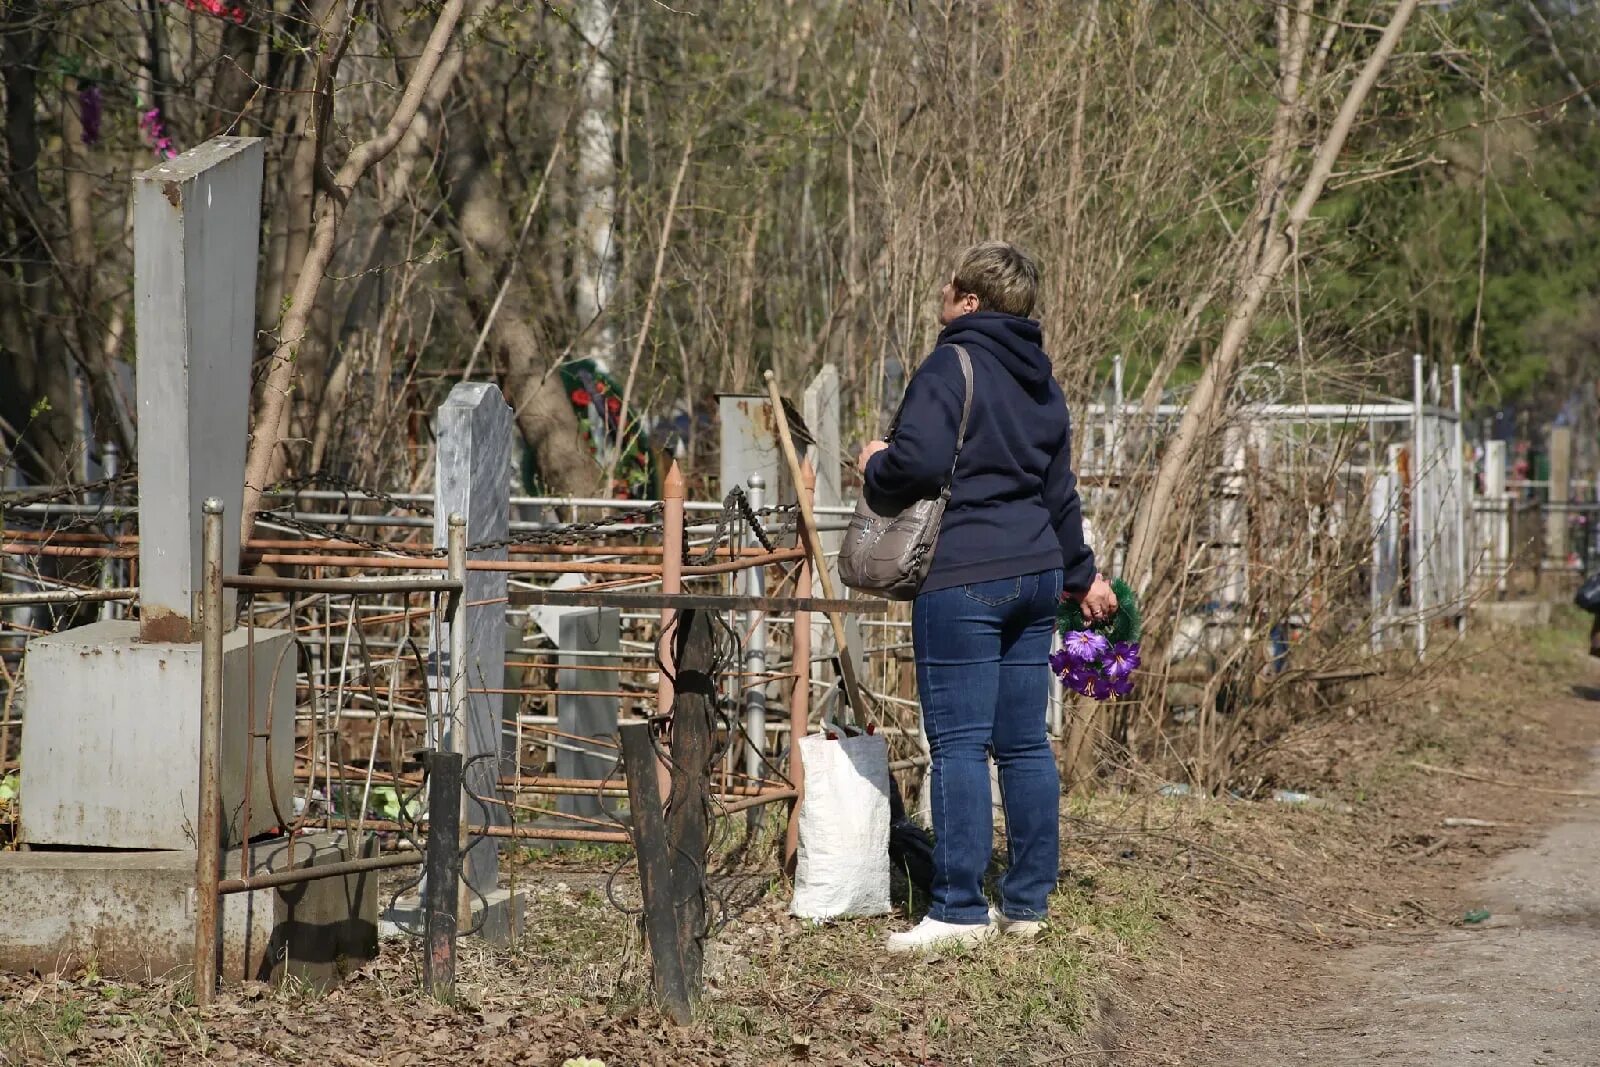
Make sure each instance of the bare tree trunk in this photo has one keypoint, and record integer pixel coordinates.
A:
(544, 413)
(292, 176)
(595, 254)
(1276, 248)
(264, 461)
(419, 139)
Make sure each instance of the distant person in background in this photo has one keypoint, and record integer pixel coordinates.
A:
(1011, 542)
(1588, 599)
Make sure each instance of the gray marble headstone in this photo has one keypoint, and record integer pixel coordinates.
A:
(594, 630)
(474, 432)
(195, 222)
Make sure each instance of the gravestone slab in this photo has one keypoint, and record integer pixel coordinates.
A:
(590, 630)
(195, 222)
(474, 436)
(111, 755)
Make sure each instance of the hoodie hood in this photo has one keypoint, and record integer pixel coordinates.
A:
(1012, 340)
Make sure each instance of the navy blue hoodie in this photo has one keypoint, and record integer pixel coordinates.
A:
(1014, 505)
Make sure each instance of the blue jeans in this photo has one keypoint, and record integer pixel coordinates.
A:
(983, 674)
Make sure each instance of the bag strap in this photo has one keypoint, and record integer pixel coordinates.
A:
(966, 412)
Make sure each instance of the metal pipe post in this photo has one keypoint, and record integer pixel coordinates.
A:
(457, 620)
(1110, 463)
(109, 465)
(755, 656)
(1458, 475)
(208, 842)
(456, 554)
(1419, 569)
(1494, 490)
(672, 494)
(800, 694)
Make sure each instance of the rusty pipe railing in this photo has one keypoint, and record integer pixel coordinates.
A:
(208, 856)
(65, 596)
(209, 886)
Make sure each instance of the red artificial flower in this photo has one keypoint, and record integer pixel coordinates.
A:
(601, 387)
(581, 397)
(218, 9)
(613, 405)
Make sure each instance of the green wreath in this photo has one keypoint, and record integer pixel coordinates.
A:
(1125, 626)
(596, 399)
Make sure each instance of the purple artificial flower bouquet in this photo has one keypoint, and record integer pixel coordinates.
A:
(1098, 661)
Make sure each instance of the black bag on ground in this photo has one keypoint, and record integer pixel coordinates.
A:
(1588, 595)
(910, 854)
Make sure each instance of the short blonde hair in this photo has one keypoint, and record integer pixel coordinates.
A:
(1002, 276)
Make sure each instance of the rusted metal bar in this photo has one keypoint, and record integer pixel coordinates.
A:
(12, 548)
(513, 566)
(208, 832)
(743, 803)
(64, 537)
(655, 873)
(351, 586)
(442, 874)
(553, 786)
(667, 602)
(265, 544)
(624, 668)
(298, 875)
(625, 694)
(66, 596)
(672, 492)
(672, 540)
(528, 833)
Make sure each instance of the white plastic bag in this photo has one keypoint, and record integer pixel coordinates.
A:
(842, 867)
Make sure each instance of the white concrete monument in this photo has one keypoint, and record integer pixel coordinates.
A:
(110, 749)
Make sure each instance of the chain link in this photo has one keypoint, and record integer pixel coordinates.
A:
(736, 511)
(345, 485)
(22, 497)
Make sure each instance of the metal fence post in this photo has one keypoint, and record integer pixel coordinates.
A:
(800, 690)
(1420, 514)
(208, 843)
(672, 543)
(110, 467)
(755, 661)
(442, 871)
(456, 558)
(1463, 484)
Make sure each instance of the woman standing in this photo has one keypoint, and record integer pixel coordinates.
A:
(1011, 542)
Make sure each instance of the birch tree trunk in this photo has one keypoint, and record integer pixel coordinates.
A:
(595, 255)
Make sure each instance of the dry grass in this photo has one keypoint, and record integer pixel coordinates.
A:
(1172, 924)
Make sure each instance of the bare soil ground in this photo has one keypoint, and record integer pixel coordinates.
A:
(1188, 931)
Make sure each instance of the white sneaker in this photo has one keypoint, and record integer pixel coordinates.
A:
(1024, 929)
(931, 935)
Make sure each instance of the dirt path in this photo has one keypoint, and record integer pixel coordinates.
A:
(1518, 989)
